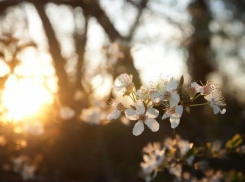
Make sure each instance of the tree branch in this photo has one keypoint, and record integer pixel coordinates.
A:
(54, 49)
(141, 8)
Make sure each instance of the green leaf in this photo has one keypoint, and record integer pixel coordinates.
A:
(235, 176)
(234, 142)
(181, 82)
(191, 152)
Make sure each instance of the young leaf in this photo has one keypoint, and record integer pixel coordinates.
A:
(181, 82)
(234, 142)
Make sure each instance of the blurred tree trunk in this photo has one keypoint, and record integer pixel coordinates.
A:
(80, 44)
(126, 64)
(200, 61)
(54, 49)
(200, 64)
(93, 9)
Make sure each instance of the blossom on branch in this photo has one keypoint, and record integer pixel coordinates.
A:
(92, 115)
(153, 158)
(143, 93)
(174, 113)
(116, 107)
(215, 100)
(208, 88)
(142, 116)
(125, 83)
(174, 95)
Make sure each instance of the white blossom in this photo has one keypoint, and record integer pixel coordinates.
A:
(91, 115)
(156, 93)
(207, 89)
(28, 171)
(165, 90)
(214, 176)
(157, 97)
(184, 146)
(153, 158)
(197, 87)
(193, 89)
(143, 93)
(66, 113)
(174, 113)
(18, 162)
(168, 90)
(23, 166)
(33, 127)
(169, 94)
(125, 83)
(215, 100)
(116, 109)
(176, 170)
(142, 116)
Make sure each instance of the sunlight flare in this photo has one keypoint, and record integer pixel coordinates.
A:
(24, 97)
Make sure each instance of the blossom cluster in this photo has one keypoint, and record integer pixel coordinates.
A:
(169, 154)
(184, 161)
(174, 96)
(23, 166)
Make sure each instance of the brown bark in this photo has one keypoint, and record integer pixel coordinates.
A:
(54, 49)
(200, 62)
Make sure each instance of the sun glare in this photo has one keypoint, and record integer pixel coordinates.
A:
(24, 97)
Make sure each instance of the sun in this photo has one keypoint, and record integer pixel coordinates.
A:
(24, 97)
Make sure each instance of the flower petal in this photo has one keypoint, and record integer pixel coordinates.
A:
(138, 128)
(118, 88)
(166, 115)
(179, 110)
(208, 97)
(152, 113)
(223, 111)
(174, 120)
(125, 78)
(216, 109)
(152, 124)
(174, 99)
(114, 115)
(172, 85)
(131, 114)
(196, 86)
(140, 108)
(176, 170)
(157, 97)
